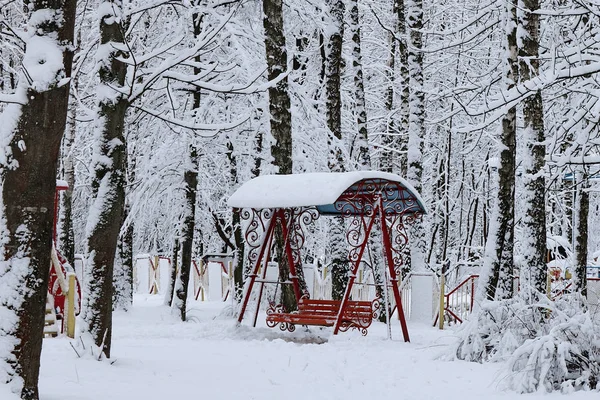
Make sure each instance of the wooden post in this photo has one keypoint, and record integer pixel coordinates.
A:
(71, 305)
(156, 274)
(442, 295)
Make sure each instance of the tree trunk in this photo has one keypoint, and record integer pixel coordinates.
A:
(581, 239)
(333, 105)
(534, 220)
(108, 184)
(124, 285)
(33, 133)
(416, 131)
(123, 274)
(190, 177)
(65, 235)
(395, 142)
(361, 144)
(501, 237)
(173, 275)
(280, 121)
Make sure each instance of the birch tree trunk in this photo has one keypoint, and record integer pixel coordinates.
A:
(499, 252)
(335, 161)
(32, 132)
(281, 126)
(581, 239)
(65, 234)
(361, 144)
(416, 130)
(108, 182)
(395, 142)
(534, 220)
(190, 178)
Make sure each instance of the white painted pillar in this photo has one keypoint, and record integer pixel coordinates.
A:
(422, 297)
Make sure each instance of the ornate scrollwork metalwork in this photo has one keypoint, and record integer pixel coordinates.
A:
(299, 220)
(257, 223)
(376, 306)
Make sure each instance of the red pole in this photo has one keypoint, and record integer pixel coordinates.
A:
(472, 293)
(387, 247)
(252, 277)
(346, 298)
(264, 276)
(55, 215)
(288, 251)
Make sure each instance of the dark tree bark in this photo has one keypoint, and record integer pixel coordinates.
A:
(238, 238)
(28, 185)
(333, 71)
(361, 144)
(397, 129)
(108, 186)
(279, 99)
(581, 239)
(500, 283)
(281, 121)
(173, 276)
(534, 221)
(66, 236)
(123, 274)
(416, 128)
(336, 161)
(190, 178)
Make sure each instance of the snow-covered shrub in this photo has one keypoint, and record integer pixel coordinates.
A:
(548, 345)
(496, 330)
(566, 357)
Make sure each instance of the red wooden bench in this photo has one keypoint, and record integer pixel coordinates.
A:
(357, 315)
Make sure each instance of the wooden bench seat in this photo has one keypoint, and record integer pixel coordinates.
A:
(357, 315)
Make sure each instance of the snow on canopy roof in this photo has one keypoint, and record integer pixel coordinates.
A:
(308, 189)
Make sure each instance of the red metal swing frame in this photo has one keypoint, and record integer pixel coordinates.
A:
(389, 204)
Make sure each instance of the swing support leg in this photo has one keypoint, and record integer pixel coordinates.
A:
(387, 248)
(252, 277)
(348, 291)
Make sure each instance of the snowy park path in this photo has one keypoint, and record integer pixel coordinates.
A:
(158, 357)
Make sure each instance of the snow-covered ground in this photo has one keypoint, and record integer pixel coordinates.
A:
(155, 356)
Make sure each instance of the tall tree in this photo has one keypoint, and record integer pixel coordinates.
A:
(501, 238)
(32, 130)
(361, 143)
(394, 152)
(582, 201)
(533, 137)
(280, 121)
(416, 121)
(336, 158)
(109, 180)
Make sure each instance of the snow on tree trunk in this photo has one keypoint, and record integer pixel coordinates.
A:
(280, 121)
(499, 251)
(123, 271)
(173, 275)
(534, 152)
(65, 234)
(31, 133)
(123, 279)
(190, 178)
(581, 238)
(395, 145)
(361, 144)
(108, 182)
(416, 129)
(335, 161)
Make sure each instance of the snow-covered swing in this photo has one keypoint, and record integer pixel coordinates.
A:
(366, 198)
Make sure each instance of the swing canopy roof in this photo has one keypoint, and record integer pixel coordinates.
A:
(329, 192)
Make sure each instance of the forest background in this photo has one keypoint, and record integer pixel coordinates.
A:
(155, 112)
